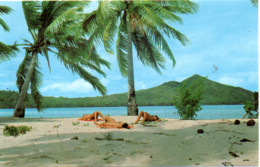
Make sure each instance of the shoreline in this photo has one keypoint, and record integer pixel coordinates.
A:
(172, 143)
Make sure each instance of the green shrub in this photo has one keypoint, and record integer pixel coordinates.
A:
(189, 97)
(252, 106)
(15, 131)
(24, 129)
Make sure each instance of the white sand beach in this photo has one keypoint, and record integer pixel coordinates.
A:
(171, 143)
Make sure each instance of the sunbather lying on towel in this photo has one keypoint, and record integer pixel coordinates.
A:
(147, 117)
(92, 117)
(111, 123)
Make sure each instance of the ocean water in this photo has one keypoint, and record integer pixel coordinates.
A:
(208, 112)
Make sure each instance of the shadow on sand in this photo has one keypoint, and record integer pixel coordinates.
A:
(155, 147)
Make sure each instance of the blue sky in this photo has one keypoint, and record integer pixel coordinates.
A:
(223, 33)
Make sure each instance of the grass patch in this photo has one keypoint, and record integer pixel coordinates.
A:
(16, 130)
(75, 123)
(86, 124)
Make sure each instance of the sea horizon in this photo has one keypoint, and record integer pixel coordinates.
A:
(207, 112)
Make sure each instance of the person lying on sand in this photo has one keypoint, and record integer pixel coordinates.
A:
(147, 117)
(92, 117)
(111, 123)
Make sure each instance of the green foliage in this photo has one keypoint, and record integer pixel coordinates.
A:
(75, 123)
(55, 27)
(6, 51)
(15, 131)
(189, 98)
(10, 131)
(252, 105)
(254, 2)
(148, 21)
(162, 95)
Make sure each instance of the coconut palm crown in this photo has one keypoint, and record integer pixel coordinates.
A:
(55, 27)
(143, 24)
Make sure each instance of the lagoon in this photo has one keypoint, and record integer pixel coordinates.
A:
(208, 112)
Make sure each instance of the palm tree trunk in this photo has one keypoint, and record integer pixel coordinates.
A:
(19, 110)
(131, 105)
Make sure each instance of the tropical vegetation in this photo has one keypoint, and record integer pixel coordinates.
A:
(56, 29)
(188, 101)
(16, 130)
(162, 95)
(6, 51)
(251, 106)
(142, 24)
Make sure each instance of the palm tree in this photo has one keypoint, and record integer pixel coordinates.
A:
(142, 24)
(6, 51)
(55, 27)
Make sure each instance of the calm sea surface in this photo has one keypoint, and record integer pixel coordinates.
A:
(208, 112)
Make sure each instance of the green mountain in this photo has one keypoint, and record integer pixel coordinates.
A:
(162, 95)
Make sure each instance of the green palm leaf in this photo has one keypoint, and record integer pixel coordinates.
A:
(56, 26)
(4, 10)
(23, 70)
(121, 47)
(76, 68)
(7, 51)
(147, 52)
(36, 81)
(31, 11)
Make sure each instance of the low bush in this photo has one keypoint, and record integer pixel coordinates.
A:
(15, 131)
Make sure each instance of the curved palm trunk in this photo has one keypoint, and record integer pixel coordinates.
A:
(131, 105)
(19, 110)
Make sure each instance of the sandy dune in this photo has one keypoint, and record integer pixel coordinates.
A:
(172, 143)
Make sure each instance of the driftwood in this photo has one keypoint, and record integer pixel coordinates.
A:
(244, 115)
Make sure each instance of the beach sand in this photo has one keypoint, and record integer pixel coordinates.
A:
(171, 143)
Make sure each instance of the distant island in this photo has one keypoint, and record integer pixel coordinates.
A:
(162, 95)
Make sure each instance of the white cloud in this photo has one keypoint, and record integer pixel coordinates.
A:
(79, 86)
(231, 81)
(140, 85)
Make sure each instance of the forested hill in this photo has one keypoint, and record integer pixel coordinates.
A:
(161, 95)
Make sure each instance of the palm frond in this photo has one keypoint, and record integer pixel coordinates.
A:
(160, 42)
(4, 10)
(96, 59)
(7, 51)
(109, 34)
(59, 23)
(35, 84)
(175, 34)
(93, 28)
(83, 54)
(53, 10)
(155, 9)
(121, 47)
(45, 53)
(4, 25)
(23, 70)
(179, 6)
(76, 68)
(32, 10)
(147, 52)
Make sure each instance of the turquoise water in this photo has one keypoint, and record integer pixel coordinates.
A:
(208, 112)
